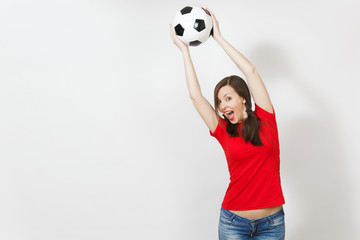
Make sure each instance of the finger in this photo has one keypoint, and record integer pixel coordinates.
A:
(174, 35)
(211, 14)
(212, 17)
(172, 31)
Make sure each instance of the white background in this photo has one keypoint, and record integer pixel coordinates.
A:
(99, 139)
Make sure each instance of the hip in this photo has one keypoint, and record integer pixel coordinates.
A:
(232, 226)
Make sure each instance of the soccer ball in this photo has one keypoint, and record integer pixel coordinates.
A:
(193, 25)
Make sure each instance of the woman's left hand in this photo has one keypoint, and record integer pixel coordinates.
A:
(216, 30)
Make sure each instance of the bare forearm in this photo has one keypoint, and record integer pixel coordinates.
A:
(191, 78)
(242, 63)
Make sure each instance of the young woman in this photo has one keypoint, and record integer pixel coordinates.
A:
(252, 206)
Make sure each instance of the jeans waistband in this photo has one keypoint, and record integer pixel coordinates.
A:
(231, 216)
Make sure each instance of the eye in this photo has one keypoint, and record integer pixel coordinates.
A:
(218, 101)
(228, 98)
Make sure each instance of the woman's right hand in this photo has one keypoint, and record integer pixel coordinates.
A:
(182, 46)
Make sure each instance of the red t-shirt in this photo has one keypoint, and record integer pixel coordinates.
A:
(254, 170)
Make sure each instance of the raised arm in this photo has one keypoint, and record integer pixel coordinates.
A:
(204, 108)
(256, 85)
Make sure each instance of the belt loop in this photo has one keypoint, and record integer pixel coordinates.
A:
(270, 220)
(232, 216)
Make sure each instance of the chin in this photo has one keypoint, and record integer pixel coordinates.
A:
(233, 121)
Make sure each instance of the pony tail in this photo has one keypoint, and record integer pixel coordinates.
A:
(250, 129)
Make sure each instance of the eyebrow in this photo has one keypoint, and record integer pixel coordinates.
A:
(224, 95)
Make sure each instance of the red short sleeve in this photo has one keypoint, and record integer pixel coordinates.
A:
(263, 114)
(220, 129)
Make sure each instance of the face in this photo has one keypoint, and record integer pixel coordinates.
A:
(231, 104)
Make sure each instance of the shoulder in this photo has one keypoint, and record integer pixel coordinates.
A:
(220, 128)
(264, 114)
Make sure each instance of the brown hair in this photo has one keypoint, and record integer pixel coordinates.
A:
(251, 126)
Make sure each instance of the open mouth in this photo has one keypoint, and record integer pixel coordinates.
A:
(230, 115)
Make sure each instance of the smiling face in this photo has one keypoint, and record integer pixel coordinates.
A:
(231, 104)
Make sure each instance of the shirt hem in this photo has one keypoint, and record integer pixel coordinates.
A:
(267, 205)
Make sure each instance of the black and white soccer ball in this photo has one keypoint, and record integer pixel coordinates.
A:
(193, 25)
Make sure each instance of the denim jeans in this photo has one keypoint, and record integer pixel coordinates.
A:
(234, 227)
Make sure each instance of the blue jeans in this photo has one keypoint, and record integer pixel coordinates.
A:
(234, 227)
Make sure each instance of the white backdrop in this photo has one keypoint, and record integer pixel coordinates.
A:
(99, 140)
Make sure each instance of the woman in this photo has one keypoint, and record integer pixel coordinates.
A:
(252, 206)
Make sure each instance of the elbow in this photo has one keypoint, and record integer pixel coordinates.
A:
(195, 94)
(251, 71)
(195, 97)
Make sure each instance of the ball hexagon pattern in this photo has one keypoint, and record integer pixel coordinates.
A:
(193, 25)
